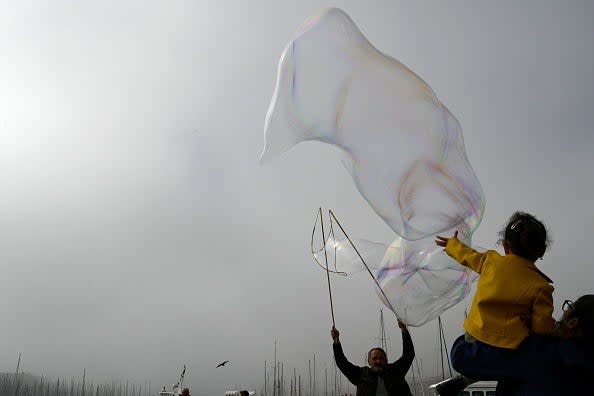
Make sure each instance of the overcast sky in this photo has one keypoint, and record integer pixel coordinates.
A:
(138, 231)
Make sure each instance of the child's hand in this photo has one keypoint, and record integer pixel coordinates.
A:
(443, 241)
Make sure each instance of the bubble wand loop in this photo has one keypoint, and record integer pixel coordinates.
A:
(333, 217)
(326, 260)
(315, 252)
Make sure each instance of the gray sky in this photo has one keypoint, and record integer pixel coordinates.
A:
(139, 231)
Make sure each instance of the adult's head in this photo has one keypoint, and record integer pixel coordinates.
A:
(244, 393)
(376, 358)
(578, 319)
(525, 236)
(185, 392)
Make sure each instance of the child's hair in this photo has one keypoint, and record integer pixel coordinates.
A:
(526, 235)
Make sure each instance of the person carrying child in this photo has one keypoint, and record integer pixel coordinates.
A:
(513, 297)
(542, 365)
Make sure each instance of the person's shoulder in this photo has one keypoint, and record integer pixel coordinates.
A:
(558, 350)
(575, 353)
(541, 342)
(493, 258)
(494, 254)
(544, 276)
(531, 273)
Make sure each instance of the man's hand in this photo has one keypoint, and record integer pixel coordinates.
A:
(402, 326)
(334, 334)
(443, 241)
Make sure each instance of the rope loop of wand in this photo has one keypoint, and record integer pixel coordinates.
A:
(334, 219)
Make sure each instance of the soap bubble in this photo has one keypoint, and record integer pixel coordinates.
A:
(402, 146)
(419, 281)
(343, 255)
(415, 279)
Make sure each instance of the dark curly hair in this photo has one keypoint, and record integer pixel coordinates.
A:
(526, 235)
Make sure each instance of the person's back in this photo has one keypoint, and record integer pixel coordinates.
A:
(551, 366)
(513, 299)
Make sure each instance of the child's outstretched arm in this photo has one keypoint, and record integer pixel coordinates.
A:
(464, 255)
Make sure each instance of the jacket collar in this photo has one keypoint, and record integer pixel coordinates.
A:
(533, 266)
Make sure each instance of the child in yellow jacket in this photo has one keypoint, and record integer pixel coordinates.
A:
(513, 298)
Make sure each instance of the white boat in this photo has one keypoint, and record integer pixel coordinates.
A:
(480, 388)
(177, 388)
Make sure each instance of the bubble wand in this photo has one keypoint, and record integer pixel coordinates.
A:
(320, 215)
(333, 218)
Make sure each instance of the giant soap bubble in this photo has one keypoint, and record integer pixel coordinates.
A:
(402, 147)
(413, 278)
(419, 282)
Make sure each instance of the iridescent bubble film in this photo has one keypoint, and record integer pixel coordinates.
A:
(420, 281)
(415, 279)
(344, 255)
(403, 148)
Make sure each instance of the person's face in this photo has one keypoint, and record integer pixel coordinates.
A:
(377, 359)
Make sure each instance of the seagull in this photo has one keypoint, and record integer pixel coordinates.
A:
(222, 364)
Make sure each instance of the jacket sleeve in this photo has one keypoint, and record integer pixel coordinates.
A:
(466, 256)
(408, 354)
(352, 372)
(542, 321)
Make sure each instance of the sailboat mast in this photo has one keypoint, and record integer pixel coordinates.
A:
(314, 374)
(18, 365)
(265, 380)
(442, 347)
(309, 377)
(274, 373)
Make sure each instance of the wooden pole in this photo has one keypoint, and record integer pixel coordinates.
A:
(321, 215)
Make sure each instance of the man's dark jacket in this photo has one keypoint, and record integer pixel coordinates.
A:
(393, 373)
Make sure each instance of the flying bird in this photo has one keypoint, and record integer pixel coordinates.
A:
(222, 364)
